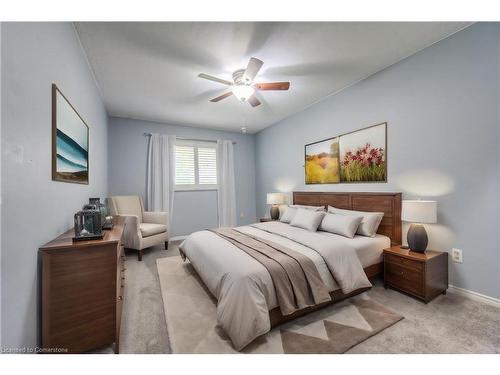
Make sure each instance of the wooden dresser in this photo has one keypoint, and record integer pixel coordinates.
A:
(82, 285)
(423, 275)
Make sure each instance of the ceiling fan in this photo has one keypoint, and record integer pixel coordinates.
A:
(243, 86)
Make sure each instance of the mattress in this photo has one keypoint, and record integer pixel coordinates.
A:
(368, 249)
(243, 287)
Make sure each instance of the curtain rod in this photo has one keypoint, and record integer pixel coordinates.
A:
(190, 139)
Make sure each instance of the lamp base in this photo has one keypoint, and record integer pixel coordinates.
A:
(275, 212)
(417, 238)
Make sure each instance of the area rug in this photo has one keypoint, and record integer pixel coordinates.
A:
(190, 313)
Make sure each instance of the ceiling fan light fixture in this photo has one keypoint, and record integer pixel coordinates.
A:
(243, 87)
(243, 92)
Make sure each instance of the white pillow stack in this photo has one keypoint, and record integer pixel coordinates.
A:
(369, 223)
(344, 225)
(307, 219)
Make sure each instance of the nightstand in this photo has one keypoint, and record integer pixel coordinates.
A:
(265, 219)
(422, 275)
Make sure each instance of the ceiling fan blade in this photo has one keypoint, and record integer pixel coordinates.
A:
(252, 69)
(215, 79)
(272, 86)
(254, 102)
(220, 97)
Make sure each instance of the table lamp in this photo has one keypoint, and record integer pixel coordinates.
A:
(418, 213)
(275, 199)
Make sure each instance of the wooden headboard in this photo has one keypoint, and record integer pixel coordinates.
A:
(388, 203)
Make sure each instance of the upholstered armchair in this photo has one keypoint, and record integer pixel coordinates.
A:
(143, 229)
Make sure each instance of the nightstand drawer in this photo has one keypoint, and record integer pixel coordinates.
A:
(405, 278)
(423, 275)
(397, 260)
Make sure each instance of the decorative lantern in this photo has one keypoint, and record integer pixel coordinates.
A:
(106, 220)
(88, 224)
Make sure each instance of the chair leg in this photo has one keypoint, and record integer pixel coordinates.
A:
(139, 255)
(166, 245)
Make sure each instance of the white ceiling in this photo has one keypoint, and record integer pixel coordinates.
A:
(149, 71)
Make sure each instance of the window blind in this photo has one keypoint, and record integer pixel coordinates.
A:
(195, 165)
(184, 165)
(207, 166)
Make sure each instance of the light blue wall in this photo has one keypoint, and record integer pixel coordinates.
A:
(35, 208)
(192, 210)
(443, 143)
(0, 186)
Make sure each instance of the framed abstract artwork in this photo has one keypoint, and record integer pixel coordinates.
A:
(322, 162)
(70, 141)
(363, 155)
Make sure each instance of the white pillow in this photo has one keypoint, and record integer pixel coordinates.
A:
(288, 215)
(307, 219)
(291, 210)
(345, 225)
(314, 208)
(369, 224)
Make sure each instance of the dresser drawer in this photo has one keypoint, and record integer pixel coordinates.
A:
(405, 278)
(414, 264)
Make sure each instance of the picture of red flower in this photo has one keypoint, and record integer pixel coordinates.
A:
(363, 155)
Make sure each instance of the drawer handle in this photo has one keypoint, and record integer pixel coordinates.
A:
(123, 278)
(120, 298)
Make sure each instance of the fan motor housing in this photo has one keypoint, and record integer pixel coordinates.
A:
(238, 77)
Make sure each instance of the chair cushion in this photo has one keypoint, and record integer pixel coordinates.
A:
(151, 229)
(128, 205)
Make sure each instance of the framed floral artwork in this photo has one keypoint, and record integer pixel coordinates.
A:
(363, 155)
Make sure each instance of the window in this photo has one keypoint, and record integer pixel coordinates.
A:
(195, 165)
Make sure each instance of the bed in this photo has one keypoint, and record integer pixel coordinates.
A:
(248, 300)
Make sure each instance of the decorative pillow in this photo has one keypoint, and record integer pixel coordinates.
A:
(288, 214)
(345, 225)
(290, 211)
(307, 219)
(314, 208)
(369, 224)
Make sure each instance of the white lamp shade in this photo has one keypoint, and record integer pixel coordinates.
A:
(419, 211)
(276, 198)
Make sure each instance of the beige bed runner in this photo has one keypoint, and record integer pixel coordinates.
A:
(296, 279)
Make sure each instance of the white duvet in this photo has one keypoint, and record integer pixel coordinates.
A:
(243, 287)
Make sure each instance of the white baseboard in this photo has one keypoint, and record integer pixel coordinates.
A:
(475, 295)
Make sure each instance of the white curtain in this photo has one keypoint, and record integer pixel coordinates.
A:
(160, 179)
(226, 196)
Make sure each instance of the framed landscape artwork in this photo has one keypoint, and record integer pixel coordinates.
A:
(363, 155)
(359, 156)
(70, 141)
(322, 162)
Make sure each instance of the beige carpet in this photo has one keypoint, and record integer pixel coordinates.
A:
(190, 313)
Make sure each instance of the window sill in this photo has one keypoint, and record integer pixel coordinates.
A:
(184, 189)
